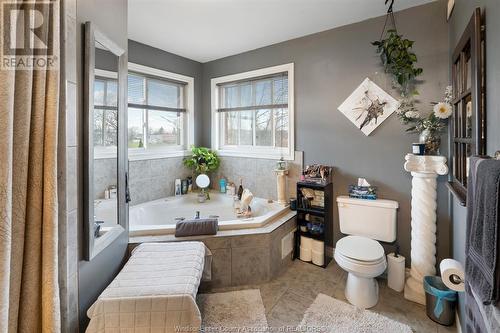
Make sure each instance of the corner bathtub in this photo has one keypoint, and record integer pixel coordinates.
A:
(158, 217)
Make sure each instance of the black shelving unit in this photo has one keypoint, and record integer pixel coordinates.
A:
(315, 215)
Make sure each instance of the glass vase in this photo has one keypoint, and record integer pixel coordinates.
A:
(432, 141)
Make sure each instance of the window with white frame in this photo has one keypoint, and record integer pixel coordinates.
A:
(159, 111)
(253, 113)
(105, 111)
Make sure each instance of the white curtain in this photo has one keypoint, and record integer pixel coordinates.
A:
(29, 103)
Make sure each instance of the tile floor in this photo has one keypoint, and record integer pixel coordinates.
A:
(287, 297)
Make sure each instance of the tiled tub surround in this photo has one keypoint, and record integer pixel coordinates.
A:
(243, 256)
(258, 174)
(104, 175)
(152, 179)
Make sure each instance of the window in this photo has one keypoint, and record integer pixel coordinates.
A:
(253, 113)
(105, 116)
(467, 128)
(105, 112)
(160, 106)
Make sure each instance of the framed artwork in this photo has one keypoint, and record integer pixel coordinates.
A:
(368, 106)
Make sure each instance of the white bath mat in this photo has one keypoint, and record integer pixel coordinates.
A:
(234, 311)
(330, 315)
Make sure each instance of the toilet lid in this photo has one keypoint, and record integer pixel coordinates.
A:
(360, 248)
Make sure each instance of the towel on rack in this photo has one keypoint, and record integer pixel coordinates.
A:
(475, 320)
(482, 267)
(196, 227)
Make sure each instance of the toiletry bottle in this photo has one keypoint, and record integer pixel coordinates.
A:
(112, 192)
(230, 189)
(177, 187)
(190, 184)
(184, 186)
(222, 185)
(240, 189)
(303, 176)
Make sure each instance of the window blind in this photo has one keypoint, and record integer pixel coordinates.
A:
(105, 93)
(269, 92)
(153, 93)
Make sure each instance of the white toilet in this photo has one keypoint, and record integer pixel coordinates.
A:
(365, 221)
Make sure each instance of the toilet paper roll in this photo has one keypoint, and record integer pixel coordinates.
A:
(451, 268)
(305, 254)
(318, 258)
(306, 242)
(318, 246)
(396, 272)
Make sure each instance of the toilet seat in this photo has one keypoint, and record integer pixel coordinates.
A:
(362, 269)
(360, 250)
(361, 262)
(362, 256)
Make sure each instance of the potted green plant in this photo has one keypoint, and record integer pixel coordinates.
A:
(202, 160)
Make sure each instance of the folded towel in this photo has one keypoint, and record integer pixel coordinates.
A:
(196, 227)
(246, 198)
(482, 266)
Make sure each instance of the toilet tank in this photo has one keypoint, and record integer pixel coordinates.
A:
(375, 219)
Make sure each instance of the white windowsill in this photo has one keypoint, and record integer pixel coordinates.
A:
(145, 155)
(268, 155)
(152, 155)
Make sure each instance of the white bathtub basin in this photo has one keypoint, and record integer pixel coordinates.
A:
(158, 217)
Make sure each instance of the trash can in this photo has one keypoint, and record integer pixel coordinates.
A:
(440, 301)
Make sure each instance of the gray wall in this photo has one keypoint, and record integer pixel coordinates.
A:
(461, 16)
(105, 60)
(328, 67)
(152, 57)
(95, 275)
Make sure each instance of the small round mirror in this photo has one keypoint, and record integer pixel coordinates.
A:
(202, 181)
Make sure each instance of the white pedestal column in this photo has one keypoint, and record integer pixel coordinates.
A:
(281, 185)
(425, 170)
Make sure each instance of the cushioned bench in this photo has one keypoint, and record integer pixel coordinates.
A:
(155, 291)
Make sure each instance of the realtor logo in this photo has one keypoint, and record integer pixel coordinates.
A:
(28, 32)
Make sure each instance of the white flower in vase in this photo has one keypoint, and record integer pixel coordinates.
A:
(442, 110)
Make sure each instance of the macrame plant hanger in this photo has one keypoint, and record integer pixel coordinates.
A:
(390, 20)
(389, 17)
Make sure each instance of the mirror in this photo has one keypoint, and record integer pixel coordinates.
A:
(202, 181)
(105, 150)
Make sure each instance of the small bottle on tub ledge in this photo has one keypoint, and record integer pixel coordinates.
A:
(222, 185)
(240, 189)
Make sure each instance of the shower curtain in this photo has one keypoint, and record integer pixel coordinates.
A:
(29, 102)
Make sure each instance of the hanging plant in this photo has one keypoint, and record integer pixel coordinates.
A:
(399, 61)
